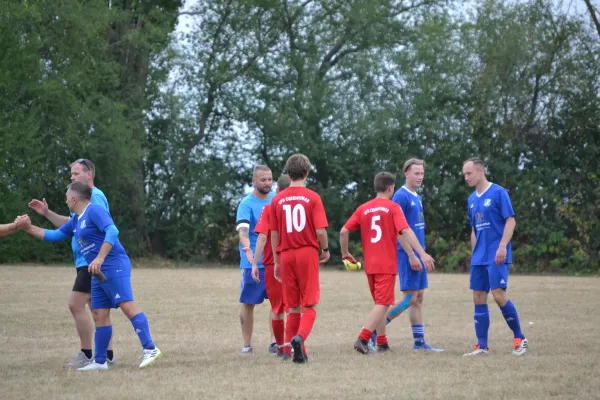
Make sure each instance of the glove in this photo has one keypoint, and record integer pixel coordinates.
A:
(351, 264)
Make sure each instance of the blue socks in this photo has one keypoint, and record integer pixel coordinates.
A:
(481, 318)
(102, 339)
(512, 319)
(140, 325)
(418, 332)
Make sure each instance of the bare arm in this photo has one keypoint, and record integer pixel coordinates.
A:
(94, 267)
(274, 244)
(260, 247)
(7, 229)
(344, 239)
(474, 239)
(35, 231)
(55, 219)
(509, 229)
(411, 241)
(244, 235)
(324, 243)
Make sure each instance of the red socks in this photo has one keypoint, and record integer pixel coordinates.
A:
(306, 323)
(382, 340)
(279, 333)
(291, 329)
(366, 334)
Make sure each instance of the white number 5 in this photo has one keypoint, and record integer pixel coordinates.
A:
(376, 228)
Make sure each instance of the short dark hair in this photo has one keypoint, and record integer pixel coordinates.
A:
(88, 165)
(84, 192)
(297, 166)
(383, 181)
(283, 182)
(477, 162)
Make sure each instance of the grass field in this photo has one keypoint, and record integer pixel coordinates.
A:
(194, 320)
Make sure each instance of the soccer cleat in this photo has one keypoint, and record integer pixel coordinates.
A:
(284, 356)
(478, 351)
(247, 350)
(383, 348)
(79, 361)
(426, 347)
(520, 346)
(297, 343)
(112, 362)
(273, 348)
(149, 357)
(94, 366)
(361, 346)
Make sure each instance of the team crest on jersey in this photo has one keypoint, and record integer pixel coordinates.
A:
(82, 224)
(487, 202)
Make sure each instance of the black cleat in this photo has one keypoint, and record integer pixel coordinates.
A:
(361, 346)
(297, 346)
(384, 348)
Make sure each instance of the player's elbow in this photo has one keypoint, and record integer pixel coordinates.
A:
(344, 231)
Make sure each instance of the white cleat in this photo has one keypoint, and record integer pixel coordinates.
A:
(149, 357)
(478, 351)
(520, 346)
(94, 366)
(79, 362)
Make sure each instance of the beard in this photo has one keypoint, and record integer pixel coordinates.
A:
(263, 190)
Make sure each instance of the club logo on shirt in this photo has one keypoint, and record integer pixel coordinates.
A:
(487, 202)
(82, 224)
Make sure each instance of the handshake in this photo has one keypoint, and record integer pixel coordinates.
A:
(22, 222)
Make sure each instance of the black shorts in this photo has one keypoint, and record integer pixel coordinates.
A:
(83, 281)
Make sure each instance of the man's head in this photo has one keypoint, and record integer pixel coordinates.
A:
(262, 179)
(414, 172)
(297, 167)
(283, 182)
(83, 170)
(78, 193)
(384, 183)
(473, 171)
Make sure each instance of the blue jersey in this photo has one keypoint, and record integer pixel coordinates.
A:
(488, 213)
(98, 198)
(248, 213)
(89, 230)
(412, 207)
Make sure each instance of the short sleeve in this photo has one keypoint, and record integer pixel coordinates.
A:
(400, 222)
(353, 223)
(99, 200)
(505, 205)
(318, 214)
(68, 228)
(273, 222)
(243, 217)
(100, 218)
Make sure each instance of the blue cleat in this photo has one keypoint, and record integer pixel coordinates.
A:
(426, 347)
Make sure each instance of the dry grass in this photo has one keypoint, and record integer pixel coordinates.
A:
(193, 317)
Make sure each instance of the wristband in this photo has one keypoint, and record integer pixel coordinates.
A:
(327, 249)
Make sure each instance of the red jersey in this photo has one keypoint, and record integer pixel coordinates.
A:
(296, 213)
(380, 221)
(262, 226)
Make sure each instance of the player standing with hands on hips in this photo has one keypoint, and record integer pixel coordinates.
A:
(492, 225)
(298, 231)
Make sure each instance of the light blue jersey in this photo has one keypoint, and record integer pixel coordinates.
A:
(488, 213)
(248, 213)
(98, 198)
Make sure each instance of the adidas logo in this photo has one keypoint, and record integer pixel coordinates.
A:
(509, 319)
(502, 282)
(117, 296)
(138, 330)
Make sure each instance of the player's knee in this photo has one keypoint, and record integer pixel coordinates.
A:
(101, 316)
(77, 304)
(500, 296)
(479, 297)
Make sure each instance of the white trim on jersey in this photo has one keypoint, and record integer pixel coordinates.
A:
(482, 193)
(410, 191)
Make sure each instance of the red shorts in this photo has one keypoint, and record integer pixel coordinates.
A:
(299, 269)
(274, 289)
(382, 288)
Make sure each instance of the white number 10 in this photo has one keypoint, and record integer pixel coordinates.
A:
(295, 218)
(376, 228)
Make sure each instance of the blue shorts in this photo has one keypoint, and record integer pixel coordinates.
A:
(409, 278)
(251, 291)
(488, 277)
(111, 292)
